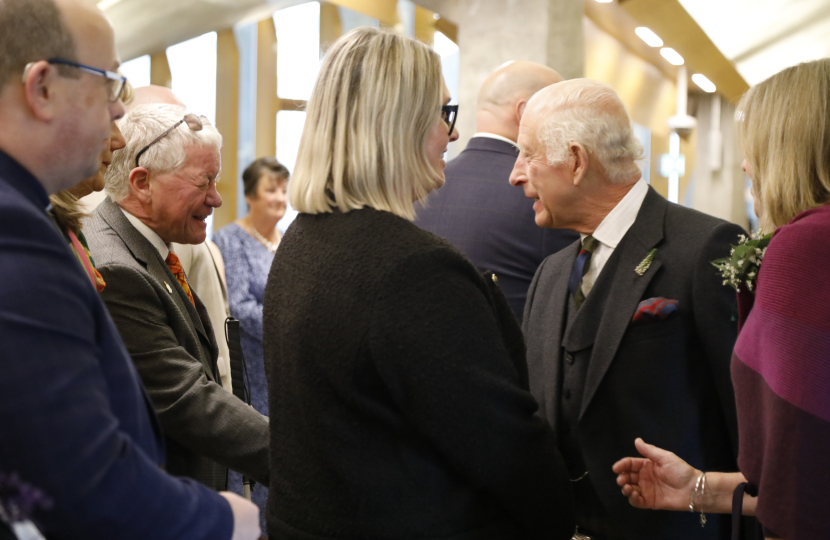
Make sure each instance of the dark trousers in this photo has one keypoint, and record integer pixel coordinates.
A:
(591, 517)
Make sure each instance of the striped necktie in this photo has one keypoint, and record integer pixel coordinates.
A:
(175, 266)
(581, 266)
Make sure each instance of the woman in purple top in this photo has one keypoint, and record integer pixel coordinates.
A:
(248, 246)
(781, 362)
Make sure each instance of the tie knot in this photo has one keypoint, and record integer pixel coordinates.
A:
(172, 261)
(589, 244)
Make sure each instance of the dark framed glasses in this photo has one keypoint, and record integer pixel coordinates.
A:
(116, 81)
(449, 113)
(195, 123)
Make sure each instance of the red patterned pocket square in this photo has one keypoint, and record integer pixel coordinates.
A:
(654, 309)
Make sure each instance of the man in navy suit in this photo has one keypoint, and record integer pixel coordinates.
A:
(629, 332)
(75, 422)
(477, 210)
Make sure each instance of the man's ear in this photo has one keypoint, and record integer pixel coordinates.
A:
(39, 81)
(578, 161)
(140, 184)
(519, 110)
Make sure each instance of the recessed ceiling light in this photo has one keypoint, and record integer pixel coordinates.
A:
(672, 56)
(104, 4)
(651, 39)
(705, 84)
(604, 1)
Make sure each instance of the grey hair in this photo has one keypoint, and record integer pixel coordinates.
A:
(32, 30)
(140, 127)
(590, 113)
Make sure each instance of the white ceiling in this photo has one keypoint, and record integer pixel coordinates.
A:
(762, 37)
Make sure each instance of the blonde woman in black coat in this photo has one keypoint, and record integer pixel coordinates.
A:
(398, 389)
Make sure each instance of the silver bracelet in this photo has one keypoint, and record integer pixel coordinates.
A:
(694, 493)
(702, 493)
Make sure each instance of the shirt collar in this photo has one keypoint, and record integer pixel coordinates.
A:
(494, 136)
(148, 233)
(612, 229)
(23, 181)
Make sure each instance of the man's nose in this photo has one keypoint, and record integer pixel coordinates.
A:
(116, 110)
(517, 175)
(213, 199)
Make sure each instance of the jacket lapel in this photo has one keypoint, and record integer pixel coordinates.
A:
(626, 288)
(145, 253)
(553, 340)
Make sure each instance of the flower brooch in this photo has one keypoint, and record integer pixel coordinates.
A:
(744, 261)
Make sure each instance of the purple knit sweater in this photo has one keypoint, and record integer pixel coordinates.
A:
(781, 372)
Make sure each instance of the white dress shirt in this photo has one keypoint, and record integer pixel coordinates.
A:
(149, 234)
(611, 231)
(494, 136)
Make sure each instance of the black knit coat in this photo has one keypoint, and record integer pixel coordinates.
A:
(396, 409)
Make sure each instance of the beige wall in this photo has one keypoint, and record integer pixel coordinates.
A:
(648, 94)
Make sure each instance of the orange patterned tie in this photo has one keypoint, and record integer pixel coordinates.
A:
(175, 266)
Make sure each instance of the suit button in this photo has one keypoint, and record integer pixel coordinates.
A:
(569, 358)
(567, 394)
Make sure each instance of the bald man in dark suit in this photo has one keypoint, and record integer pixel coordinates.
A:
(477, 210)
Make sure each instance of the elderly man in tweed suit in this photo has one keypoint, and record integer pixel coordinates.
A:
(161, 188)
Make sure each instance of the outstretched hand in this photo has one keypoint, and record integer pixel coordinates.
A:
(658, 481)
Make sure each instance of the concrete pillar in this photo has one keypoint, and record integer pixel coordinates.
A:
(718, 184)
(160, 70)
(490, 33)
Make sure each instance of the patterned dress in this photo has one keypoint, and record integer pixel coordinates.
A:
(247, 263)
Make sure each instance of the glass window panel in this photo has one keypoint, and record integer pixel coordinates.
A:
(137, 71)
(449, 53)
(350, 19)
(289, 128)
(193, 67)
(298, 50)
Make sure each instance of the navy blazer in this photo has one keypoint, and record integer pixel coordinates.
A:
(490, 221)
(74, 419)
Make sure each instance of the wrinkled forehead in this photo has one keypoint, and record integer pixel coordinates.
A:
(202, 158)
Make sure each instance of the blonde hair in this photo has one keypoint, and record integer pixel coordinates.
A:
(364, 140)
(783, 127)
(67, 212)
(590, 113)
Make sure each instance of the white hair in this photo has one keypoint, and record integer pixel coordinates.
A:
(140, 127)
(590, 113)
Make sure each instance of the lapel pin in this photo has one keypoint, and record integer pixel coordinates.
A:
(645, 263)
(169, 290)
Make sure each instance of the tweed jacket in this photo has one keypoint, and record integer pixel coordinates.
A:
(490, 221)
(172, 345)
(396, 410)
(667, 381)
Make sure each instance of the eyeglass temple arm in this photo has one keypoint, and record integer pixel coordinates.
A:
(157, 139)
